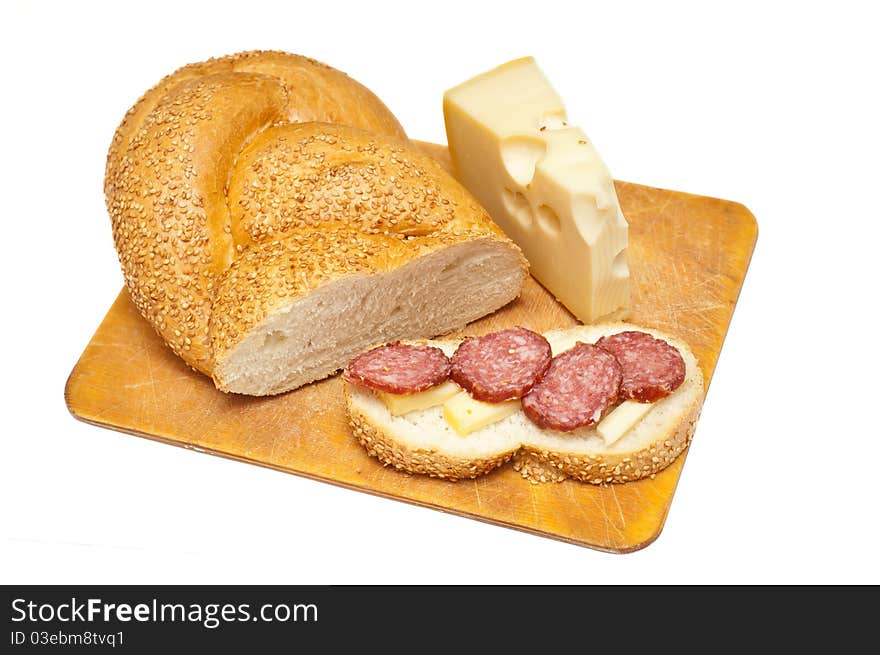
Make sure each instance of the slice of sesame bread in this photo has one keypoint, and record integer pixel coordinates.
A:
(423, 442)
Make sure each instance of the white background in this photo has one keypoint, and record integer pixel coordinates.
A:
(774, 105)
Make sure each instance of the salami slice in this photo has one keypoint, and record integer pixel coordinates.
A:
(577, 389)
(652, 368)
(399, 368)
(502, 365)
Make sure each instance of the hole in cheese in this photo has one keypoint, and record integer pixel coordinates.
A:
(520, 155)
(589, 220)
(517, 206)
(619, 266)
(548, 219)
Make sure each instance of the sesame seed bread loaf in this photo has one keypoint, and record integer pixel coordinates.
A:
(272, 220)
(423, 442)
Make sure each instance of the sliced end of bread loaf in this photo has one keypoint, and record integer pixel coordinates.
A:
(328, 324)
(423, 442)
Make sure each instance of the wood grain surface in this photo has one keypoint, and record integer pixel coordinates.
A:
(688, 258)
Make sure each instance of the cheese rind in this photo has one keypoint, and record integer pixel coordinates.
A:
(465, 415)
(545, 185)
(400, 404)
(622, 419)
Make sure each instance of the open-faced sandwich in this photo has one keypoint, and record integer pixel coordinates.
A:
(601, 404)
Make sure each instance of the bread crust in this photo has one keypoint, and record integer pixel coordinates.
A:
(314, 91)
(542, 465)
(392, 452)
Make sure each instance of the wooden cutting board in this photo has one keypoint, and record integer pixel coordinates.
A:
(688, 257)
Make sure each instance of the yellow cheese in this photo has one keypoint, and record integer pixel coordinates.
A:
(544, 183)
(622, 419)
(399, 404)
(466, 415)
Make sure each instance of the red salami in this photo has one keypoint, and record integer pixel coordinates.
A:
(502, 365)
(652, 368)
(399, 368)
(577, 389)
